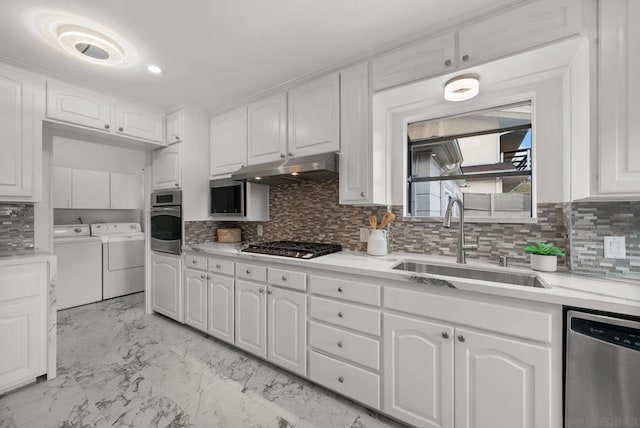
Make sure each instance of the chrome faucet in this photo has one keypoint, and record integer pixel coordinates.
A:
(447, 223)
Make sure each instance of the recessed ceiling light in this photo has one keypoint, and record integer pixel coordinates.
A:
(89, 45)
(462, 88)
(258, 178)
(294, 173)
(154, 69)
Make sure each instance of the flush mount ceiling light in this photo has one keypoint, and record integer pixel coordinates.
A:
(90, 45)
(154, 69)
(462, 88)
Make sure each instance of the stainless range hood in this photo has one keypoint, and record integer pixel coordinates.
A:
(315, 167)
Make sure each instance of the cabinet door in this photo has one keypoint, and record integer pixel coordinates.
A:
(267, 129)
(195, 299)
(75, 105)
(221, 307)
(314, 117)
(167, 167)
(175, 127)
(251, 317)
(61, 187)
(287, 325)
(229, 141)
(619, 95)
(17, 143)
(89, 189)
(136, 121)
(126, 191)
(418, 371)
(414, 62)
(501, 382)
(166, 285)
(519, 29)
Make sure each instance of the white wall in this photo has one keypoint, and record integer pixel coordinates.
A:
(99, 157)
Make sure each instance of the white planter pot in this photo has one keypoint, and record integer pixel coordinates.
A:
(544, 263)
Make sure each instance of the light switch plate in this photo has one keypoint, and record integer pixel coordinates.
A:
(614, 247)
(259, 230)
(364, 234)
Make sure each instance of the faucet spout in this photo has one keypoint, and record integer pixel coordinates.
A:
(461, 256)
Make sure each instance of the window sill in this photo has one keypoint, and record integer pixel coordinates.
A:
(468, 220)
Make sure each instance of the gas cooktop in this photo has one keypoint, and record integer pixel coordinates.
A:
(299, 250)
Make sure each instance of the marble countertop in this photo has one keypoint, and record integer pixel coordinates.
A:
(565, 288)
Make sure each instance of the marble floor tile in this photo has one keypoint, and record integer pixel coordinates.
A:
(119, 367)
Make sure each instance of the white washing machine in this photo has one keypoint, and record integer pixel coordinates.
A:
(122, 258)
(79, 280)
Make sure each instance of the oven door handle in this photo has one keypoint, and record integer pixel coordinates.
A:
(172, 211)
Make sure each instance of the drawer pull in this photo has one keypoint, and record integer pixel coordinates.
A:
(461, 338)
(218, 266)
(340, 344)
(340, 289)
(268, 291)
(284, 278)
(340, 315)
(261, 290)
(445, 335)
(194, 261)
(341, 379)
(248, 271)
(201, 276)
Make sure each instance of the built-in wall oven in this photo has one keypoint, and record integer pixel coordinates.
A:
(166, 221)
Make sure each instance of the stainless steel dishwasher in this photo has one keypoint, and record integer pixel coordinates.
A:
(602, 372)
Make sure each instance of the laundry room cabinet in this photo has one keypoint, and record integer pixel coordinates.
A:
(88, 189)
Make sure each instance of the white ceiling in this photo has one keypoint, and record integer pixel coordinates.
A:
(215, 52)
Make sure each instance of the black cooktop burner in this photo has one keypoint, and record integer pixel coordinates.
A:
(299, 250)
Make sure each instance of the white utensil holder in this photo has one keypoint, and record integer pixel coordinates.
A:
(377, 243)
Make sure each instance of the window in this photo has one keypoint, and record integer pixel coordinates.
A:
(483, 157)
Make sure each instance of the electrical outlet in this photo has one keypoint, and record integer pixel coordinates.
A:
(614, 247)
(364, 234)
(259, 230)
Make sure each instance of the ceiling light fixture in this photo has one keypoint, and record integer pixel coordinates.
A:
(294, 173)
(154, 69)
(90, 45)
(462, 88)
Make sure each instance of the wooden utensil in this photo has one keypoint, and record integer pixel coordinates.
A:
(373, 221)
(387, 218)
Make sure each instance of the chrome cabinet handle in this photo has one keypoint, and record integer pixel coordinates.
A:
(363, 195)
(461, 338)
(340, 289)
(261, 290)
(269, 291)
(248, 272)
(290, 154)
(340, 344)
(341, 379)
(107, 126)
(447, 62)
(177, 138)
(340, 315)
(284, 278)
(445, 335)
(218, 266)
(194, 261)
(282, 155)
(465, 57)
(177, 185)
(201, 276)
(208, 276)
(120, 129)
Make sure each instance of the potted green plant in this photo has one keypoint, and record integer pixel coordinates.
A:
(544, 256)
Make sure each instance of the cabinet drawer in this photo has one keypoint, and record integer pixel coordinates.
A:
(288, 279)
(225, 267)
(347, 290)
(20, 281)
(247, 271)
(515, 319)
(351, 381)
(346, 315)
(341, 343)
(195, 262)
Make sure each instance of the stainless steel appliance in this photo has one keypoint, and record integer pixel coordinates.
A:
(228, 197)
(166, 221)
(299, 250)
(295, 169)
(602, 371)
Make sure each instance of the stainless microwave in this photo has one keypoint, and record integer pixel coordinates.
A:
(228, 198)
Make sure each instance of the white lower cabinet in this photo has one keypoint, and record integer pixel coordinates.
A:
(23, 323)
(418, 370)
(195, 299)
(221, 307)
(251, 317)
(166, 285)
(287, 329)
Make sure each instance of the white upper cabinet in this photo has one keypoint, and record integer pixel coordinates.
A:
(126, 191)
(267, 129)
(619, 98)
(175, 127)
(167, 167)
(314, 116)
(361, 154)
(89, 189)
(18, 145)
(139, 122)
(519, 29)
(79, 106)
(61, 196)
(415, 62)
(228, 141)
(287, 335)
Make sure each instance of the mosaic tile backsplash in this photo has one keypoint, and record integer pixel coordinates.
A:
(16, 227)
